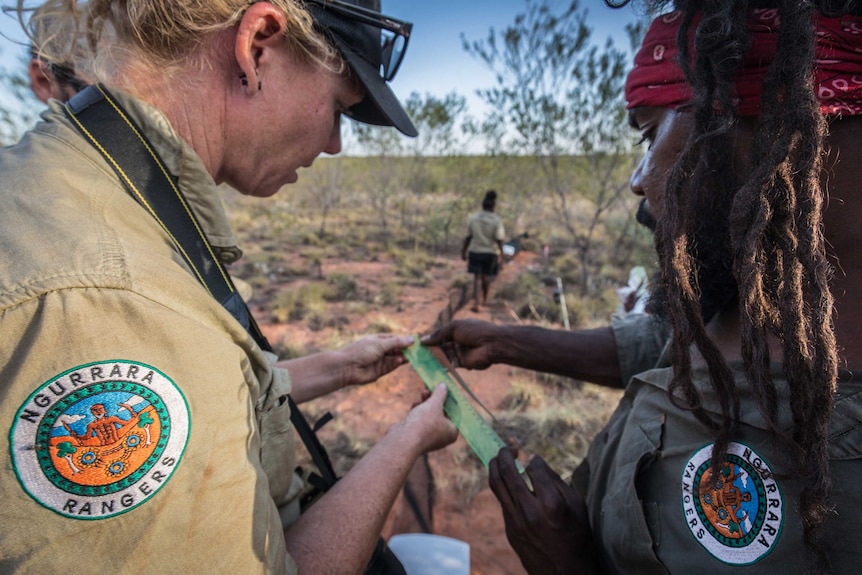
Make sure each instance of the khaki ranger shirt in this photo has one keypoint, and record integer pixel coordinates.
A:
(142, 428)
(485, 230)
(655, 508)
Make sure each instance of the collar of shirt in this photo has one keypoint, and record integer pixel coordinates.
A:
(182, 161)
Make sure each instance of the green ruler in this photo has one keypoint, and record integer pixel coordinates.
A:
(480, 436)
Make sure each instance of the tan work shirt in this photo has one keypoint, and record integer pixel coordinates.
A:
(655, 507)
(142, 428)
(485, 230)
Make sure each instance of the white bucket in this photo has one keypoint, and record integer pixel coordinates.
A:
(424, 554)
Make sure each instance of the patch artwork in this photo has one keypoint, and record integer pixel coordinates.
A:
(100, 439)
(737, 516)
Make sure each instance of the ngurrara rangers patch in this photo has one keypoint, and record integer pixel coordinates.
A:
(737, 515)
(99, 439)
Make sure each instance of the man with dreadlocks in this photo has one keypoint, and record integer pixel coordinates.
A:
(745, 454)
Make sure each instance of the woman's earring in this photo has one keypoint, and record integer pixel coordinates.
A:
(243, 79)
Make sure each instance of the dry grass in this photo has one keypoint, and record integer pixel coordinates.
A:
(554, 417)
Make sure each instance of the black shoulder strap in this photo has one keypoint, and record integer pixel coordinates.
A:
(103, 122)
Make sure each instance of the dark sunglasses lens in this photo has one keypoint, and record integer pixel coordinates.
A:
(391, 52)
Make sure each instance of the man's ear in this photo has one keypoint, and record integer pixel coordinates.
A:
(40, 79)
(260, 30)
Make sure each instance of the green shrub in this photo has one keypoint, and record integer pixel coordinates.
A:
(357, 308)
(567, 267)
(311, 239)
(344, 287)
(319, 319)
(412, 267)
(384, 324)
(589, 312)
(389, 294)
(519, 289)
(296, 304)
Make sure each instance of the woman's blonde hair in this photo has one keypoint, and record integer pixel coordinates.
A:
(158, 33)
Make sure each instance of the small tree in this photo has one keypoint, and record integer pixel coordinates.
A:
(436, 120)
(325, 191)
(557, 95)
(381, 183)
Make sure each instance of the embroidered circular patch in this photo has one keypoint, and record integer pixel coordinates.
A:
(100, 439)
(736, 514)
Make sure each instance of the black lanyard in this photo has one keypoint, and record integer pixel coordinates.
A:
(102, 121)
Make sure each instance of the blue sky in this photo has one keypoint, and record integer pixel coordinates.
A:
(435, 62)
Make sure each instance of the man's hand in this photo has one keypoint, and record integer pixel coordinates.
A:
(548, 527)
(466, 343)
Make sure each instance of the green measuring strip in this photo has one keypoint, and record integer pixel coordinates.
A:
(479, 435)
(481, 438)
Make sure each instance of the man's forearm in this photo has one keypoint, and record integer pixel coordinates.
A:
(589, 355)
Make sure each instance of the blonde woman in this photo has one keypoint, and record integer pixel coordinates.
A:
(188, 466)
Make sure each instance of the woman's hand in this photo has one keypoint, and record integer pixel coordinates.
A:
(371, 357)
(349, 517)
(362, 361)
(428, 424)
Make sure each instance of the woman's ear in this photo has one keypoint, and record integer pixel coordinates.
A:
(261, 30)
(40, 81)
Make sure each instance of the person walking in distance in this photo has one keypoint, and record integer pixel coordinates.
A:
(484, 241)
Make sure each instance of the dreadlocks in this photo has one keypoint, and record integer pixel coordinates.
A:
(772, 246)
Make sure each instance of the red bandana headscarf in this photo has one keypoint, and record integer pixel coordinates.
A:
(657, 79)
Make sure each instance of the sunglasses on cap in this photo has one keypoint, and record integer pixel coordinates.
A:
(394, 33)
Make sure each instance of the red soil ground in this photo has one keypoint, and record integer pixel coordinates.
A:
(463, 505)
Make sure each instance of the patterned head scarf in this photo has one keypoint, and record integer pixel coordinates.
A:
(657, 80)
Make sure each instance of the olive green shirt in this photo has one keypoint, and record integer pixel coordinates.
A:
(143, 429)
(655, 508)
(640, 340)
